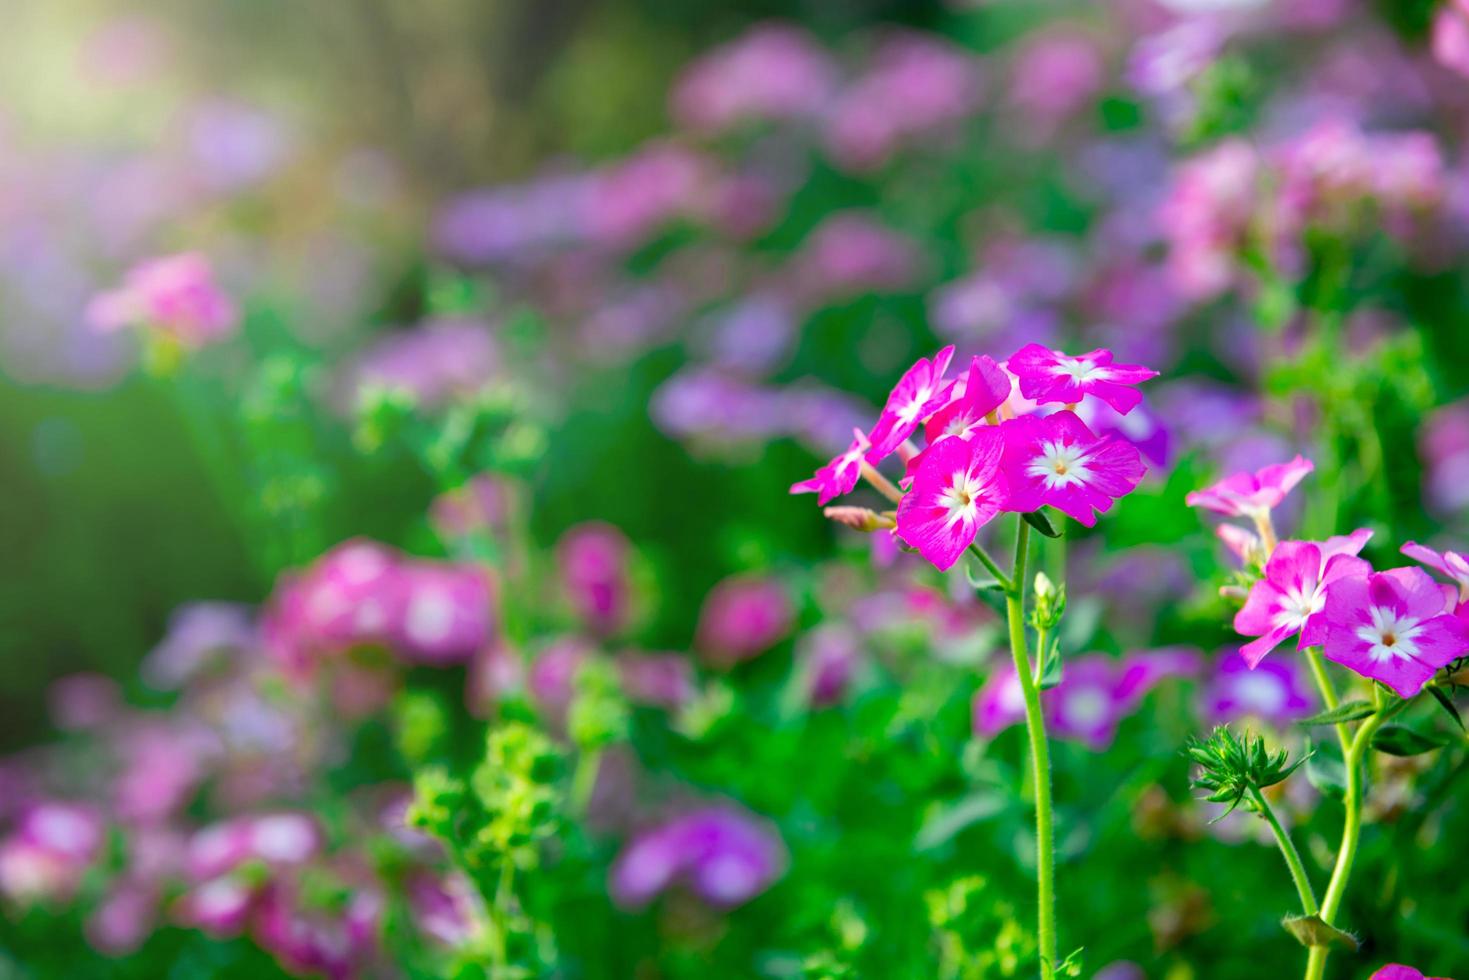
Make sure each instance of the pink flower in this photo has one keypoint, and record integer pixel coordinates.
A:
(984, 389)
(175, 295)
(592, 558)
(1051, 376)
(1396, 971)
(442, 613)
(742, 618)
(956, 490)
(1451, 36)
(1391, 626)
(1450, 564)
(1252, 494)
(917, 395)
(839, 476)
(1288, 601)
(852, 254)
(1056, 460)
(772, 71)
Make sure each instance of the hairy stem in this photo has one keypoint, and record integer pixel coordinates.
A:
(1288, 850)
(1040, 757)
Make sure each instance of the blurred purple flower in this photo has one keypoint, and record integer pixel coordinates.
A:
(1274, 691)
(772, 71)
(742, 617)
(722, 855)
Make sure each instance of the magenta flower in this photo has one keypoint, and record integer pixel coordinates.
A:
(724, 856)
(839, 476)
(984, 389)
(1392, 627)
(1056, 460)
(742, 618)
(593, 558)
(1252, 494)
(175, 295)
(1450, 564)
(772, 71)
(956, 490)
(1272, 691)
(1288, 601)
(1396, 971)
(1051, 376)
(918, 394)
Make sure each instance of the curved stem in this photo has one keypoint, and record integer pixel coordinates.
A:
(991, 567)
(1328, 695)
(1040, 757)
(1288, 850)
(881, 483)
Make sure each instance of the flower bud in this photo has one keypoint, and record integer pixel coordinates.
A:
(860, 519)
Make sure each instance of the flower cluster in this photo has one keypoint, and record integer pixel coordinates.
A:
(994, 442)
(363, 594)
(1396, 626)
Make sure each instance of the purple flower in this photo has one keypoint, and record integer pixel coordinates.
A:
(1273, 691)
(433, 363)
(1096, 692)
(722, 855)
(197, 634)
(742, 618)
(1392, 627)
(1451, 36)
(1288, 601)
(828, 656)
(1396, 971)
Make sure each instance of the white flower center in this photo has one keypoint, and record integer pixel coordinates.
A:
(1296, 606)
(961, 498)
(909, 412)
(1079, 370)
(1087, 708)
(1260, 693)
(1060, 465)
(430, 616)
(1390, 636)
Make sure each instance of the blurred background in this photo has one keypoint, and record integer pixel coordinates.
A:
(676, 250)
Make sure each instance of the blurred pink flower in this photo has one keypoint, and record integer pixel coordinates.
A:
(742, 617)
(592, 558)
(175, 295)
(772, 71)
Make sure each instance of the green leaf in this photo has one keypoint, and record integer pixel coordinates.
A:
(1402, 740)
(1311, 930)
(946, 823)
(1447, 703)
(1325, 771)
(978, 576)
(1051, 670)
(1038, 520)
(1342, 713)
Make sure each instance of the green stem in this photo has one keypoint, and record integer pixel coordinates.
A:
(1336, 889)
(991, 567)
(1040, 757)
(1328, 695)
(1288, 850)
(584, 779)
